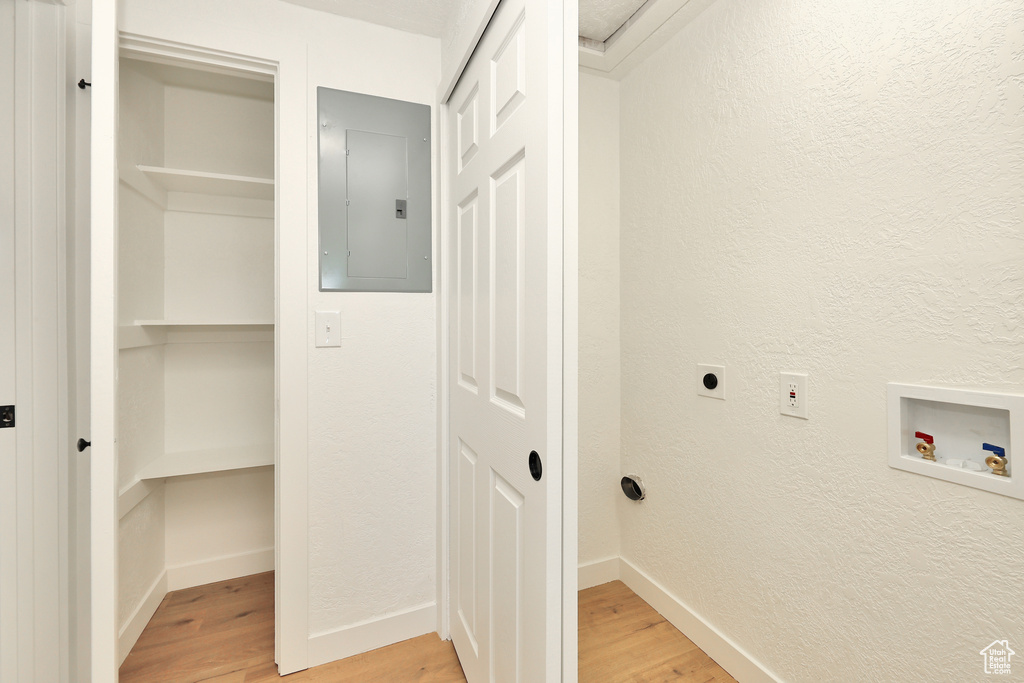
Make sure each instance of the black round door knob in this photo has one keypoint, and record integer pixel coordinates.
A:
(83, 444)
(536, 467)
(710, 381)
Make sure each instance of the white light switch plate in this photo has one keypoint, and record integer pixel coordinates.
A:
(328, 329)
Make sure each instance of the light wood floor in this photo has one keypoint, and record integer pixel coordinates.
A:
(622, 638)
(224, 633)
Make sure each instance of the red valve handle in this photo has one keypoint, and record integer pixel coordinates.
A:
(927, 438)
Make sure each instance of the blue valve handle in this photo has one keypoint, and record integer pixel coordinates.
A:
(997, 450)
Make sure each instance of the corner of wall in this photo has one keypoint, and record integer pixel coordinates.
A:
(599, 315)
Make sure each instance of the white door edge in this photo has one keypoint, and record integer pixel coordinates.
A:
(443, 339)
(570, 341)
(103, 345)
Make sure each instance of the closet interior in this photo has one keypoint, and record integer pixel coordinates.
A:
(196, 287)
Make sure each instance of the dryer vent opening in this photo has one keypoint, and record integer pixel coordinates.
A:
(633, 487)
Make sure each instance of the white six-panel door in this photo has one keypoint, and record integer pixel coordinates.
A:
(505, 344)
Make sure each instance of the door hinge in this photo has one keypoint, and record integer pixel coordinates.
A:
(6, 416)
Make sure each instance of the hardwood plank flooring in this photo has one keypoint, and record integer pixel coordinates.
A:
(224, 633)
(622, 638)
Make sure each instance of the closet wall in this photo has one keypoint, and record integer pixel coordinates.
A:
(600, 497)
(833, 188)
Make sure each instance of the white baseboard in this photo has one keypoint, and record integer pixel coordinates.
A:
(370, 635)
(715, 644)
(132, 629)
(598, 572)
(220, 569)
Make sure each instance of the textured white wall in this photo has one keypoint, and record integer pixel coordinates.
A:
(372, 408)
(599, 492)
(217, 515)
(140, 554)
(836, 188)
(140, 393)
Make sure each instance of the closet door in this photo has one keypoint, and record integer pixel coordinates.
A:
(504, 150)
(8, 457)
(103, 318)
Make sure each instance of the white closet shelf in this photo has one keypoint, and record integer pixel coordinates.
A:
(212, 460)
(200, 323)
(203, 182)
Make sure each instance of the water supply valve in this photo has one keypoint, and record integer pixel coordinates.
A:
(997, 461)
(927, 446)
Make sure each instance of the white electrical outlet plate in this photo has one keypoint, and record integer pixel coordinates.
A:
(793, 394)
(718, 390)
(328, 329)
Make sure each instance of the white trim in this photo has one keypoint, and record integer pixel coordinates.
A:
(599, 572)
(136, 623)
(740, 664)
(79, 63)
(103, 344)
(443, 389)
(291, 327)
(220, 569)
(369, 635)
(159, 51)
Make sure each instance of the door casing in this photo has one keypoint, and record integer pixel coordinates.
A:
(216, 48)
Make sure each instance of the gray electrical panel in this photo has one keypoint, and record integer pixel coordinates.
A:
(374, 193)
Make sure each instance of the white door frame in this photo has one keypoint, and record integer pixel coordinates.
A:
(103, 518)
(290, 544)
(78, 122)
(468, 38)
(570, 340)
(291, 523)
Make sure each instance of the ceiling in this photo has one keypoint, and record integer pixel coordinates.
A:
(599, 19)
(427, 17)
